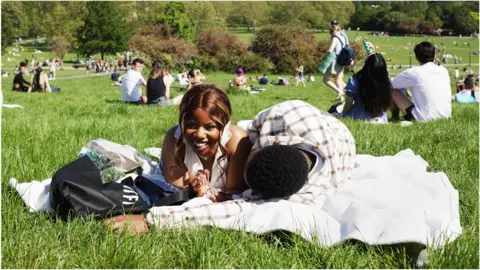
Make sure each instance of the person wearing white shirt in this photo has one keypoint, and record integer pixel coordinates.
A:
(430, 89)
(132, 82)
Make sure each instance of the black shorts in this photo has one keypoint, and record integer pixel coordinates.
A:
(409, 116)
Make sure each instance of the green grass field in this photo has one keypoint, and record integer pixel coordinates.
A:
(50, 131)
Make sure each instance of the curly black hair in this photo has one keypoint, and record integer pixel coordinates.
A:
(277, 171)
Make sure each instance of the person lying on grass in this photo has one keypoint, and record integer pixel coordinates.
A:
(368, 92)
(205, 141)
(299, 153)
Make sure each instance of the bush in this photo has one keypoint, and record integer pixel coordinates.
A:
(155, 45)
(287, 47)
(252, 62)
(205, 62)
(213, 42)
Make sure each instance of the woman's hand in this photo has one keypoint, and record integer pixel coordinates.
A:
(199, 182)
(220, 197)
(133, 223)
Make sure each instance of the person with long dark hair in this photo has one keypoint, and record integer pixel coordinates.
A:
(203, 150)
(40, 82)
(158, 87)
(368, 92)
(204, 139)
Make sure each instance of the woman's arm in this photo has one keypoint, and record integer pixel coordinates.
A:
(332, 46)
(166, 81)
(174, 173)
(238, 148)
(189, 84)
(48, 89)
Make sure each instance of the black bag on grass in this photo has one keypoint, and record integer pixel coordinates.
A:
(77, 190)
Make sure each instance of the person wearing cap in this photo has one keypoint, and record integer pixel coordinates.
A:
(342, 32)
(335, 70)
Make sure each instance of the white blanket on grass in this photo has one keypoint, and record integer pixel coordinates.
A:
(389, 199)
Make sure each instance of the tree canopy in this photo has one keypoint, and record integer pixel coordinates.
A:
(104, 31)
(106, 26)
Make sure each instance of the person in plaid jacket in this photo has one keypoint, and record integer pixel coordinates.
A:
(325, 142)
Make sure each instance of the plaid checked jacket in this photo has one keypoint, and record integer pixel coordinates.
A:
(292, 122)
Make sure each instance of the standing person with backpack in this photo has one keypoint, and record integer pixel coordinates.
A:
(335, 69)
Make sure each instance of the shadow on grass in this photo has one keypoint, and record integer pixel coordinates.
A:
(117, 101)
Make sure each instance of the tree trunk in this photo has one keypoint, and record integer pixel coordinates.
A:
(61, 61)
(102, 54)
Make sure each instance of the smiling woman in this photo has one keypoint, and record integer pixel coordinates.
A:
(204, 149)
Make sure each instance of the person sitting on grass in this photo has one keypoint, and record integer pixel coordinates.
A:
(368, 92)
(115, 77)
(19, 83)
(158, 87)
(195, 77)
(40, 82)
(132, 82)
(263, 80)
(430, 89)
(469, 93)
(240, 82)
(183, 79)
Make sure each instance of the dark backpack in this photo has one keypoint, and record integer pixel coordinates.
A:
(347, 54)
(77, 190)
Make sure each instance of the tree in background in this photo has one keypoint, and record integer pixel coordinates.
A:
(60, 47)
(175, 15)
(140, 14)
(13, 22)
(35, 12)
(64, 19)
(250, 14)
(391, 21)
(205, 16)
(104, 31)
